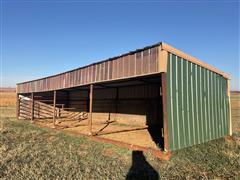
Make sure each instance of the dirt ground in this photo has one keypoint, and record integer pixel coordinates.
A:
(136, 135)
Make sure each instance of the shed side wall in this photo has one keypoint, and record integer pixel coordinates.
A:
(197, 103)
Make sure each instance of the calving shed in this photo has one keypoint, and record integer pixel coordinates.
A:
(156, 98)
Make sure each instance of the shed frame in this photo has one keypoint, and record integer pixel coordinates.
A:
(135, 66)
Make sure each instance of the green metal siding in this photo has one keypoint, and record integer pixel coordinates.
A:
(197, 103)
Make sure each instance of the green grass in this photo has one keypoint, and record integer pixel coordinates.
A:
(30, 152)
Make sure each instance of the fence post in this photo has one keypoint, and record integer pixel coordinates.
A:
(17, 106)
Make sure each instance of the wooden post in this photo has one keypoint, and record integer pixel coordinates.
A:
(32, 106)
(54, 107)
(90, 109)
(164, 106)
(17, 106)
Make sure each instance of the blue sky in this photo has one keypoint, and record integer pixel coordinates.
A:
(41, 38)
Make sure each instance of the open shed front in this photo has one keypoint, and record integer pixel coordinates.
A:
(128, 111)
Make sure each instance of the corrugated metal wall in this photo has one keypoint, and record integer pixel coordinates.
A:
(197, 103)
(134, 64)
(139, 105)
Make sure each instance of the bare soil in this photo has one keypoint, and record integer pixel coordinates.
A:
(136, 135)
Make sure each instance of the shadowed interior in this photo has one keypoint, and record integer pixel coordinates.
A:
(118, 107)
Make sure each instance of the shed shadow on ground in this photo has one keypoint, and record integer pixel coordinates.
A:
(140, 168)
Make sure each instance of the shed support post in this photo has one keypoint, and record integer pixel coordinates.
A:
(17, 106)
(54, 107)
(229, 102)
(32, 106)
(90, 109)
(116, 106)
(164, 106)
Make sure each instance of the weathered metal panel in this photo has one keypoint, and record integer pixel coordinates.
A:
(138, 63)
(197, 103)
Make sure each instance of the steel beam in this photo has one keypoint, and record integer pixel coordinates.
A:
(90, 109)
(54, 107)
(163, 91)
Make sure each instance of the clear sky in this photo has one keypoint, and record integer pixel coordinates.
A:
(41, 37)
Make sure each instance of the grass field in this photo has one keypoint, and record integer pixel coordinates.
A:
(30, 152)
(7, 97)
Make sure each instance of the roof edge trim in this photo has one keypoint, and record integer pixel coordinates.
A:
(166, 47)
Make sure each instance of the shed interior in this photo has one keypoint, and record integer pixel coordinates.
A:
(128, 110)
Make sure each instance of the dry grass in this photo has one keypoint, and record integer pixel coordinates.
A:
(235, 110)
(7, 98)
(30, 152)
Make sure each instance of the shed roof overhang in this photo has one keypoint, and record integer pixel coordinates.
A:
(147, 61)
